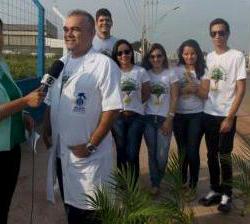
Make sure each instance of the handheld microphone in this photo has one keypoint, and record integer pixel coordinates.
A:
(53, 73)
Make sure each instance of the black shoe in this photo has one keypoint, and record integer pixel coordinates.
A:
(225, 204)
(212, 198)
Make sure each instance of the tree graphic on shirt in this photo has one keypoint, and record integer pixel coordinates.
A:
(187, 78)
(127, 86)
(217, 75)
(157, 90)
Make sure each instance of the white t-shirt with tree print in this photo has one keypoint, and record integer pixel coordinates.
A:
(131, 84)
(158, 103)
(188, 103)
(223, 71)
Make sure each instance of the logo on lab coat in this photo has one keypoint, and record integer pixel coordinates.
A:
(80, 103)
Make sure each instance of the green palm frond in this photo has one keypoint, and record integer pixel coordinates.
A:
(127, 190)
(242, 164)
(241, 180)
(123, 202)
(102, 202)
(176, 196)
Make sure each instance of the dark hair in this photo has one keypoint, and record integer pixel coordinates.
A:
(85, 14)
(200, 65)
(103, 12)
(146, 62)
(115, 51)
(1, 25)
(220, 21)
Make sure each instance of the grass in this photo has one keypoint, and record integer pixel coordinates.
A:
(24, 66)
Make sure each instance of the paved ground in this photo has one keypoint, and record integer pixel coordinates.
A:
(46, 213)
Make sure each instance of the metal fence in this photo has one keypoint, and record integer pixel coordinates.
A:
(22, 36)
(27, 50)
(20, 26)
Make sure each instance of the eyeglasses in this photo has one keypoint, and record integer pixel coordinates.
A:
(221, 33)
(156, 56)
(125, 52)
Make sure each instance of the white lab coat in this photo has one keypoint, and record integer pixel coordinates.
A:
(74, 116)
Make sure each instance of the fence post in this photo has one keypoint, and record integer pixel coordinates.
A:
(40, 40)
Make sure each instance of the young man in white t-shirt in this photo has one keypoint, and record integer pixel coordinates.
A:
(103, 41)
(227, 73)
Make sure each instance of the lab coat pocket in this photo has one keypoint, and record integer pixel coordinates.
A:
(83, 165)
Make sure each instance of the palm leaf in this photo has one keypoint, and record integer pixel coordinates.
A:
(123, 202)
(241, 181)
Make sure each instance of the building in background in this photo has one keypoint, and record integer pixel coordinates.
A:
(22, 39)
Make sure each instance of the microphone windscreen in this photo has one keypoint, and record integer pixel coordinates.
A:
(56, 68)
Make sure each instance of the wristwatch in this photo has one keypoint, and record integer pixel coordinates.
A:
(91, 148)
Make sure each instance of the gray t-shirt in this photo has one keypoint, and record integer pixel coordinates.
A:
(104, 46)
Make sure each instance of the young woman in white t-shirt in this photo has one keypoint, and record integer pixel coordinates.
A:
(159, 112)
(128, 128)
(194, 87)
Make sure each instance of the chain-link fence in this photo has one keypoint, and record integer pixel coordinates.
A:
(20, 32)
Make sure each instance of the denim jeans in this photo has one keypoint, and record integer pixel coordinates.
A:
(218, 146)
(127, 132)
(188, 133)
(158, 148)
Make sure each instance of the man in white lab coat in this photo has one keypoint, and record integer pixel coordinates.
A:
(83, 104)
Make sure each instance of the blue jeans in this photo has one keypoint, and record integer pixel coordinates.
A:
(188, 133)
(158, 148)
(127, 132)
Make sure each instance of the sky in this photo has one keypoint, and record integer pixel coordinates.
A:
(172, 27)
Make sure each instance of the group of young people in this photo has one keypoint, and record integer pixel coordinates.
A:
(196, 97)
(95, 94)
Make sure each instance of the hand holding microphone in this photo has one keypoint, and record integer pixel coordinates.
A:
(35, 98)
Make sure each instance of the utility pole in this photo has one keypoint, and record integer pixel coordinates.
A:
(40, 39)
(143, 28)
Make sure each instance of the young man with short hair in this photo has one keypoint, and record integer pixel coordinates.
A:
(103, 41)
(227, 73)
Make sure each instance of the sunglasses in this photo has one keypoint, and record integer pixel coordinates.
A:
(125, 52)
(221, 33)
(156, 56)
